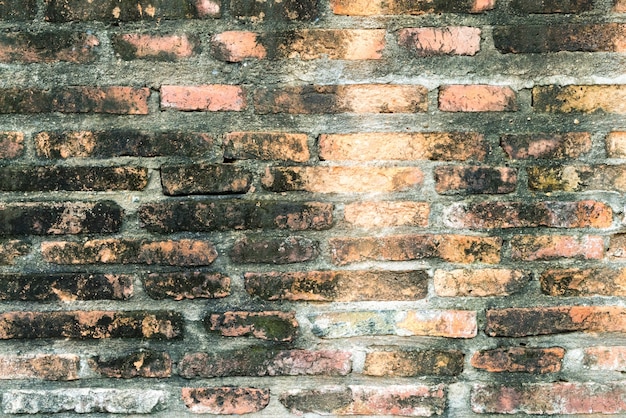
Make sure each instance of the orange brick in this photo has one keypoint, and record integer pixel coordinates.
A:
(585, 99)
(389, 7)
(61, 367)
(131, 46)
(620, 6)
(383, 214)
(451, 40)
(210, 98)
(235, 46)
(479, 283)
(343, 44)
(476, 98)
(279, 146)
(616, 145)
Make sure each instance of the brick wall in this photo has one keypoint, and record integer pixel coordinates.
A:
(336, 207)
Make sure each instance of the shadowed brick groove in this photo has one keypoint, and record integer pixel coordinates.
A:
(283, 208)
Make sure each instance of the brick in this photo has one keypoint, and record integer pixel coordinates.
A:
(83, 401)
(617, 247)
(615, 145)
(338, 286)
(519, 359)
(11, 145)
(10, 250)
(577, 178)
(475, 180)
(522, 322)
(48, 47)
(451, 248)
(129, 10)
(187, 285)
(225, 400)
(546, 146)
(552, 6)
(338, 179)
(582, 99)
(353, 98)
(620, 6)
(75, 99)
(184, 252)
(63, 367)
(479, 282)
(411, 7)
(267, 325)
(477, 98)
(58, 218)
(65, 287)
(224, 215)
(131, 46)
(450, 40)
(404, 400)
(413, 363)
(384, 214)
(236, 46)
(143, 363)
(202, 178)
(275, 10)
(123, 142)
(266, 146)
(206, 98)
(437, 146)
(334, 44)
(430, 323)
(611, 358)
(554, 247)
(18, 10)
(287, 250)
(584, 282)
(549, 398)
(259, 361)
(91, 325)
(582, 214)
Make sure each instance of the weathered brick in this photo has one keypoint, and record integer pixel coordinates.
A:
(341, 44)
(130, 46)
(479, 282)
(184, 252)
(62, 367)
(124, 142)
(129, 10)
(65, 287)
(267, 325)
(18, 10)
(338, 179)
(405, 400)
(617, 247)
(11, 145)
(259, 361)
(616, 145)
(438, 146)
(223, 215)
(338, 286)
(20, 178)
(204, 178)
(577, 178)
(477, 98)
(84, 401)
(268, 146)
(275, 10)
(620, 6)
(548, 146)
(383, 214)
(611, 358)
(57, 218)
(452, 248)
(431, 323)
(584, 282)
(225, 400)
(75, 99)
(285, 250)
(12, 249)
(206, 98)
(519, 359)
(450, 40)
(475, 180)
(552, 6)
(557, 398)
(236, 46)
(554, 247)
(353, 98)
(585, 99)
(91, 325)
(413, 363)
(522, 322)
(186, 285)
(583, 214)
(28, 47)
(411, 7)
(143, 363)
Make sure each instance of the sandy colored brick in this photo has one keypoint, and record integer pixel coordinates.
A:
(450, 40)
(413, 363)
(580, 98)
(205, 98)
(479, 282)
(341, 44)
(383, 214)
(616, 144)
(577, 178)
(400, 7)
(554, 247)
(477, 98)
(620, 6)
(62, 367)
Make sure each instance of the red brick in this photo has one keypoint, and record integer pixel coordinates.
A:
(480, 282)
(475, 180)
(338, 179)
(552, 6)
(235, 46)
(399, 7)
(202, 178)
(450, 40)
(183, 252)
(550, 146)
(286, 250)
(584, 282)
(577, 178)
(266, 146)
(225, 400)
(559, 398)
(477, 98)
(186, 285)
(554, 247)
(143, 363)
(383, 214)
(11, 145)
(616, 145)
(62, 367)
(438, 146)
(617, 247)
(519, 359)
(412, 363)
(267, 325)
(612, 358)
(130, 46)
(48, 47)
(206, 98)
(10, 250)
(585, 99)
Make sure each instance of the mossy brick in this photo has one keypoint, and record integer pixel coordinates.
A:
(551, 6)
(187, 179)
(48, 47)
(143, 363)
(187, 285)
(267, 325)
(519, 360)
(18, 10)
(65, 287)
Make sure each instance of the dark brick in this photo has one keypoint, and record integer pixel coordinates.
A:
(577, 178)
(65, 287)
(186, 285)
(12, 249)
(552, 146)
(552, 6)
(60, 45)
(11, 145)
(519, 359)
(475, 180)
(280, 146)
(225, 400)
(580, 98)
(18, 10)
(143, 363)
(275, 10)
(583, 282)
(269, 325)
(204, 179)
(274, 250)
(411, 363)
